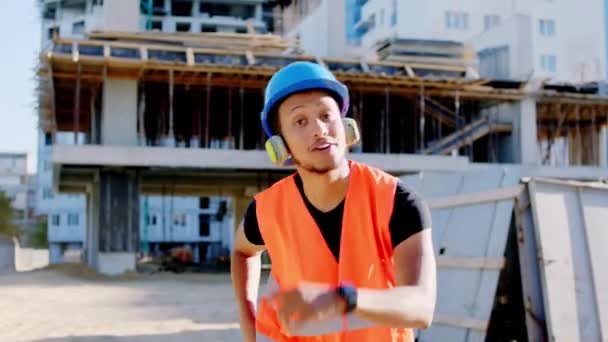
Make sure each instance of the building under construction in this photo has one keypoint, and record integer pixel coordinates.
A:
(179, 114)
(202, 92)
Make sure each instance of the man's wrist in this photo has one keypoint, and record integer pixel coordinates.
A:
(347, 294)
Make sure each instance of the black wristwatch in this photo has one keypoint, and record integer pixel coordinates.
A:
(349, 293)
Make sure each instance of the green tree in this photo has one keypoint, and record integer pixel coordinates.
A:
(7, 225)
(39, 237)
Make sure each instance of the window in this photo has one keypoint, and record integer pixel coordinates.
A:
(48, 139)
(457, 20)
(241, 30)
(75, 6)
(215, 9)
(55, 220)
(151, 220)
(47, 193)
(243, 11)
(208, 28)
(73, 219)
(19, 214)
(179, 219)
(394, 13)
(381, 16)
(494, 62)
(50, 12)
(182, 27)
(78, 28)
(181, 8)
(203, 202)
(158, 7)
(203, 225)
(157, 25)
(490, 21)
(372, 22)
(547, 27)
(52, 32)
(548, 63)
(97, 2)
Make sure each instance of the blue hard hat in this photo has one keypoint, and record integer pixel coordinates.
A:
(297, 77)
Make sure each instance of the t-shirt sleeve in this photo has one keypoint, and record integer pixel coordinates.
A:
(251, 227)
(411, 214)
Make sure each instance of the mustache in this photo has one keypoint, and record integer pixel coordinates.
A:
(322, 142)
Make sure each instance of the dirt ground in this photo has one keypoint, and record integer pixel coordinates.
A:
(72, 303)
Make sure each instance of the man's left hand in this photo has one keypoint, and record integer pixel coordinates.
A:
(307, 302)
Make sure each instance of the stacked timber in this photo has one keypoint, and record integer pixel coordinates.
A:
(424, 52)
(237, 42)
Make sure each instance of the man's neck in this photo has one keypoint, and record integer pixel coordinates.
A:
(326, 191)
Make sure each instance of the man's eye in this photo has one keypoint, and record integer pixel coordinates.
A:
(300, 122)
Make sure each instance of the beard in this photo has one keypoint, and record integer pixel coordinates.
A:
(315, 169)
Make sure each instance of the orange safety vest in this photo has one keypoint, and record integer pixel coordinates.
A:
(299, 252)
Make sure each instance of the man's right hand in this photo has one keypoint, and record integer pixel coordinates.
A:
(245, 269)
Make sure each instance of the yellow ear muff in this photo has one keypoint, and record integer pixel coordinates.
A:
(277, 151)
(351, 131)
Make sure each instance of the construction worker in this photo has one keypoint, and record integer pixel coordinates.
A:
(350, 245)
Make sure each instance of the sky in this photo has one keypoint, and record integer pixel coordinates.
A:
(20, 35)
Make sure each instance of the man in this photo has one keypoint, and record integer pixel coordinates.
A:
(351, 248)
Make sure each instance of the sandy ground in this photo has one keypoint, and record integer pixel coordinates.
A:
(70, 303)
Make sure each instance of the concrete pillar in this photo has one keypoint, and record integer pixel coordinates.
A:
(603, 150)
(170, 139)
(141, 135)
(92, 231)
(121, 15)
(113, 233)
(525, 149)
(119, 221)
(119, 113)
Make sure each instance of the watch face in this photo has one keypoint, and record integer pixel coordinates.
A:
(349, 293)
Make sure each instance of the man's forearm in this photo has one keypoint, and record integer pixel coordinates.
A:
(404, 306)
(245, 272)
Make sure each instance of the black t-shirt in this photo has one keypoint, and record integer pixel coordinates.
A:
(410, 215)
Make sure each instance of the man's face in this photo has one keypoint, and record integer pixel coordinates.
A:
(312, 128)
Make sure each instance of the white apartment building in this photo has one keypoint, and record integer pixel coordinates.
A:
(562, 41)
